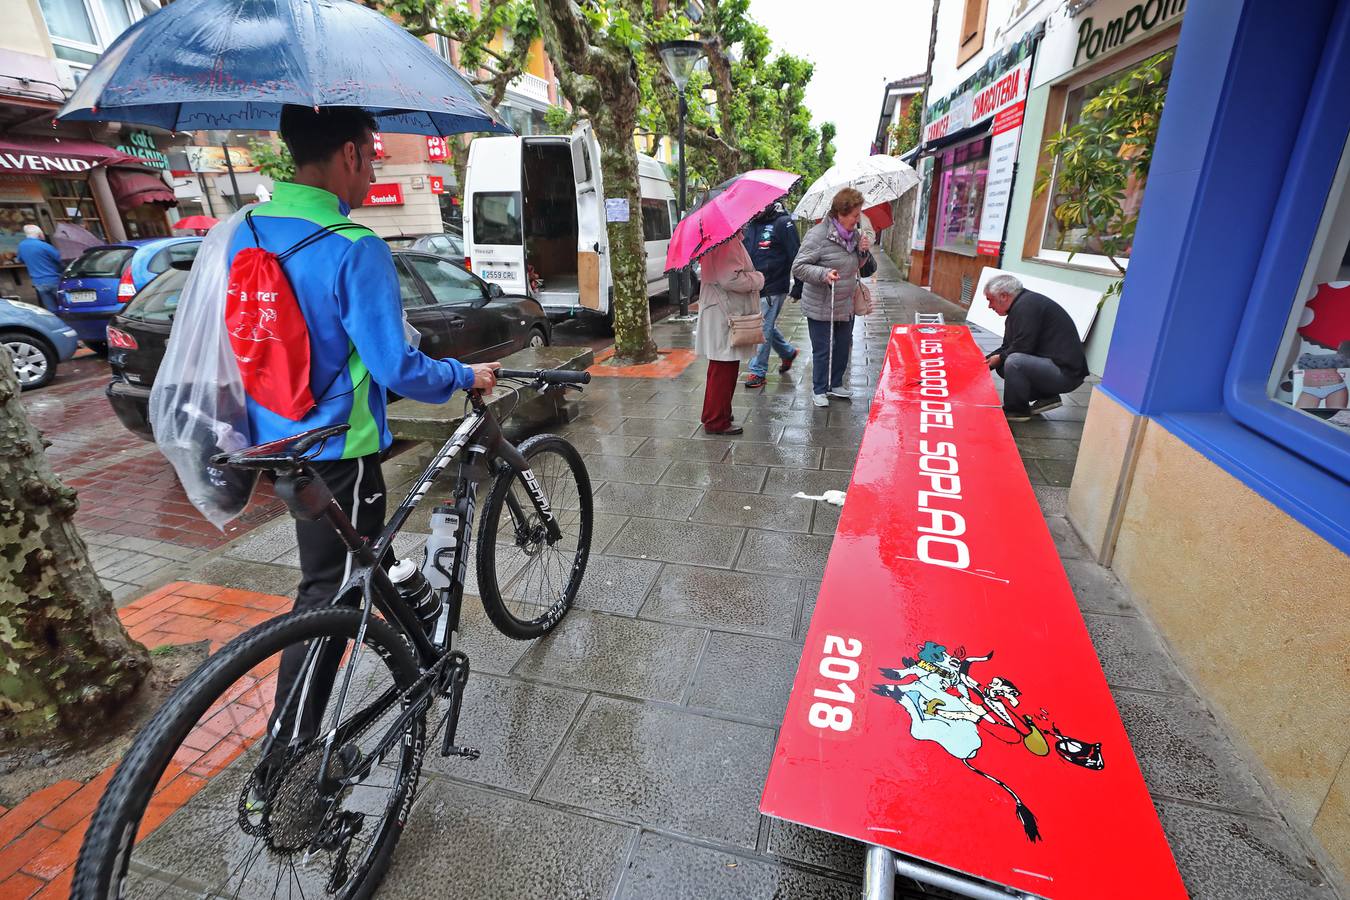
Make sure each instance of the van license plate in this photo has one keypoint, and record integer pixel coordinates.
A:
(495, 274)
(81, 296)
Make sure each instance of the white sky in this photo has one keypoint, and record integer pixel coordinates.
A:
(857, 47)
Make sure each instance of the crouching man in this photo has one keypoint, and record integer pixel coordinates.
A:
(1041, 356)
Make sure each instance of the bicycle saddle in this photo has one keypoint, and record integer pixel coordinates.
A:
(283, 452)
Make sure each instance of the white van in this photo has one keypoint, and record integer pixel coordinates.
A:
(535, 207)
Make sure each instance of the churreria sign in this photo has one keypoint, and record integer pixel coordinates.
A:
(1140, 18)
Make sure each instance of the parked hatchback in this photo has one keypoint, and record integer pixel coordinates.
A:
(100, 282)
(36, 340)
(445, 244)
(457, 314)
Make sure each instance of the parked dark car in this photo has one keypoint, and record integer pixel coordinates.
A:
(458, 315)
(446, 244)
(101, 280)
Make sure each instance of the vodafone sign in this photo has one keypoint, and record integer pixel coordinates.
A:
(384, 195)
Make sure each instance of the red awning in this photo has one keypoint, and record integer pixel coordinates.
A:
(132, 188)
(55, 158)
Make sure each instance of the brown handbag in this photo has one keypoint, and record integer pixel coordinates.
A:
(746, 331)
(862, 300)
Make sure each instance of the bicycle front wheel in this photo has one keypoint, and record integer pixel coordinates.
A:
(526, 581)
(206, 804)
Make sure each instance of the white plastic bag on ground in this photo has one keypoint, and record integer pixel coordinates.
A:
(197, 401)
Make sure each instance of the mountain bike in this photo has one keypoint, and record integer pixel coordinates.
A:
(238, 789)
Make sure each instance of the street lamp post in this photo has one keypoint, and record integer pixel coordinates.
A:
(680, 59)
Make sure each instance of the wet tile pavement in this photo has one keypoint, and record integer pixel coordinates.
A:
(133, 515)
(40, 835)
(624, 753)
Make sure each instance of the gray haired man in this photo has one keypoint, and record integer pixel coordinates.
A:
(1041, 356)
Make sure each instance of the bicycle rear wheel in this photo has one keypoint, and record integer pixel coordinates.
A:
(527, 584)
(196, 809)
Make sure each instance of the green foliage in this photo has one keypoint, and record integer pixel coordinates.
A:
(746, 108)
(475, 32)
(559, 121)
(1104, 154)
(905, 133)
(273, 159)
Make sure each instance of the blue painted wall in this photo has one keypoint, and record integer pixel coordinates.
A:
(1237, 187)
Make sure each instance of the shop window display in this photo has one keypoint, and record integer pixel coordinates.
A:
(965, 170)
(1312, 369)
(1076, 240)
(68, 198)
(21, 203)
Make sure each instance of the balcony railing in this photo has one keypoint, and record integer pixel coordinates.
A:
(531, 86)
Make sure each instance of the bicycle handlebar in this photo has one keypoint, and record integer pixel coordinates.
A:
(548, 376)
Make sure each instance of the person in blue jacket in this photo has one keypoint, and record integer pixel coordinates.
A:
(347, 289)
(772, 242)
(44, 265)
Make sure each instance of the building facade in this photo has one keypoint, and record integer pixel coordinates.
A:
(1007, 75)
(896, 99)
(109, 179)
(1214, 471)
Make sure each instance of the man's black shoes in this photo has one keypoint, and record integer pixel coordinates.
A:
(1045, 405)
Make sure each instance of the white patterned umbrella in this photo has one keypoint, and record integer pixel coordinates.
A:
(880, 178)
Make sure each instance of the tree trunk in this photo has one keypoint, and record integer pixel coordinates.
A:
(598, 75)
(730, 159)
(627, 252)
(66, 662)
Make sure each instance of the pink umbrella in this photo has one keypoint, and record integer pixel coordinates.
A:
(725, 210)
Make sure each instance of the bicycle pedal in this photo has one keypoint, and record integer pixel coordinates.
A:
(469, 753)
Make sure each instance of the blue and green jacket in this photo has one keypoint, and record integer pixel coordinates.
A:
(347, 288)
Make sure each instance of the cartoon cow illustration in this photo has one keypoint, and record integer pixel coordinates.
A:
(947, 705)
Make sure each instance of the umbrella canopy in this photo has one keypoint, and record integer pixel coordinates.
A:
(70, 240)
(880, 216)
(725, 210)
(880, 178)
(193, 223)
(198, 65)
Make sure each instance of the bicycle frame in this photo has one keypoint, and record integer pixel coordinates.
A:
(487, 449)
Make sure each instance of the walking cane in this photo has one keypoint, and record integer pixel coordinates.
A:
(829, 354)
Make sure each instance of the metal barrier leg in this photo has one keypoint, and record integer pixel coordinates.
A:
(883, 866)
(879, 874)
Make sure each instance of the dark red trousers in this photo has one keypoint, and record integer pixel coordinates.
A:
(717, 395)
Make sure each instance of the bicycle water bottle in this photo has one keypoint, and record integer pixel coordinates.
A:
(413, 588)
(444, 529)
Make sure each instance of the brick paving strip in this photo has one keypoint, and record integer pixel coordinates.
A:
(41, 835)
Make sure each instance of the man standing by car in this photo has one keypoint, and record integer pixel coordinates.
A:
(1041, 356)
(44, 265)
(347, 289)
(772, 242)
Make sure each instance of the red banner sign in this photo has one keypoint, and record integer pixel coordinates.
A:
(378, 140)
(385, 195)
(437, 184)
(438, 148)
(949, 704)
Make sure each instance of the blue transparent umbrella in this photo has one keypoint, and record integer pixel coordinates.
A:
(201, 65)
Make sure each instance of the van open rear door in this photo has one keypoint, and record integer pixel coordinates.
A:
(494, 237)
(593, 277)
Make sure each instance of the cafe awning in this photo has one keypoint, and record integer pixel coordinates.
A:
(132, 187)
(55, 158)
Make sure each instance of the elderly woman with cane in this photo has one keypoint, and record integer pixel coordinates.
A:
(833, 256)
(727, 336)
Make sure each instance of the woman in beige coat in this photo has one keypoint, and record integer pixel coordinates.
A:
(730, 287)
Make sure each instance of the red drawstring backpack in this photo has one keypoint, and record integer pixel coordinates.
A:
(267, 329)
